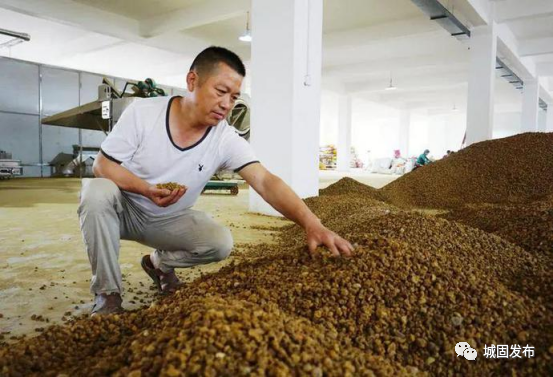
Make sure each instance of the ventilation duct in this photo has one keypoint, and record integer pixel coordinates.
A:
(543, 105)
(437, 12)
(16, 38)
(15, 34)
(506, 73)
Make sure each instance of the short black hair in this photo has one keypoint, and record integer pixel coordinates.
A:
(208, 59)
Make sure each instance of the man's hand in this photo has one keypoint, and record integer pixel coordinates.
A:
(164, 197)
(320, 235)
(279, 195)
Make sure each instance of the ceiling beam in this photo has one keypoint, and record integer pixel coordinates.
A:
(91, 19)
(454, 92)
(475, 12)
(431, 61)
(545, 91)
(537, 46)
(198, 14)
(410, 83)
(514, 10)
(400, 46)
(545, 69)
(508, 52)
(377, 33)
(78, 15)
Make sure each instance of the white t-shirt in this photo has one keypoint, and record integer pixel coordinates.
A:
(141, 142)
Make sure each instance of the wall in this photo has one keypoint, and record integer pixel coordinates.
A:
(24, 100)
(375, 132)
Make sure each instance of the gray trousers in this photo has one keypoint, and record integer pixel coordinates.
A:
(183, 239)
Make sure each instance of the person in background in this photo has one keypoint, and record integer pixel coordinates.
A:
(423, 159)
(398, 163)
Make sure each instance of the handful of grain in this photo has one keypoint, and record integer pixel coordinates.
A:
(170, 186)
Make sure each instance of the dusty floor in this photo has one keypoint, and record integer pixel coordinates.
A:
(44, 269)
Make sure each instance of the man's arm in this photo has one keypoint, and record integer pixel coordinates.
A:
(127, 181)
(282, 198)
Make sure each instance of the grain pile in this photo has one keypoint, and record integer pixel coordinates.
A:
(203, 336)
(510, 170)
(349, 186)
(416, 286)
(527, 225)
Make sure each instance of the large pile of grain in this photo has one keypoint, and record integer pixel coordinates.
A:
(510, 170)
(349, 186)
(416, 286)
(527, 225)
(199, 336)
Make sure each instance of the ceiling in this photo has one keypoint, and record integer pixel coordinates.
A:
(364, 43)
(138, 9)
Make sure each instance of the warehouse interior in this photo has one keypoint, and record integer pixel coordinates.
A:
(341, 99)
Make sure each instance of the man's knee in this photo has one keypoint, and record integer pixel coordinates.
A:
(221, 243)
(98, 193)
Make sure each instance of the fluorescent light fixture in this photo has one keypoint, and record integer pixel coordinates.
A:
(247, 36)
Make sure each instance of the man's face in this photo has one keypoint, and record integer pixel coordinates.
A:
(215, 95)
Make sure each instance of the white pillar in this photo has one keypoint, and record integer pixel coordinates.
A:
(549, 116)
(483, 49)
(404, 127)
(530, 105)
(542, 120)
(286, 93)
(344, 134)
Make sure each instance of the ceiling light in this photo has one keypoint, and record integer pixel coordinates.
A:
(247, 36)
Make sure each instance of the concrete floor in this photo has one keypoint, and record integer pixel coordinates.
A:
(44, 269)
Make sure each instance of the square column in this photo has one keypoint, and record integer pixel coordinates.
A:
(480, 104)
(344, 134)
(542, 120)
(549, 118)
(530, 105)
(286, 93)
(404, 127)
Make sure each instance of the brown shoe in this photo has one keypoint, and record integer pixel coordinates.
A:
(166, 283)
(107, 304)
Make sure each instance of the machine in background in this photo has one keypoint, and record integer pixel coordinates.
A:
(104, 113)
(9, 167)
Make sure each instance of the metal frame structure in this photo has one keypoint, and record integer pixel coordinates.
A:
(40, 67)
